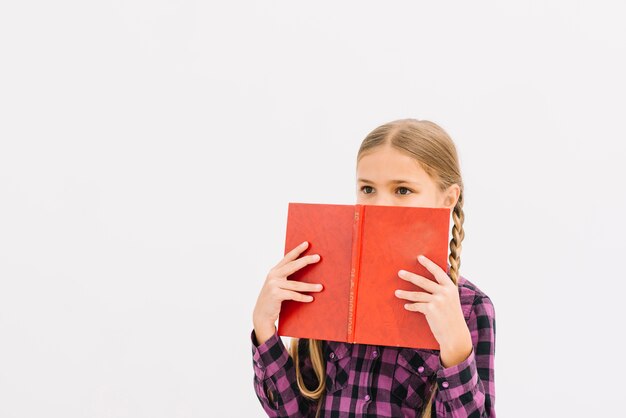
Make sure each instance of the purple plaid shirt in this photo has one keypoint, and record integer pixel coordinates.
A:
(381, 381)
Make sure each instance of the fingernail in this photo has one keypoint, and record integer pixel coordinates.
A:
(304, 243)
(401, 273)
(318, 286)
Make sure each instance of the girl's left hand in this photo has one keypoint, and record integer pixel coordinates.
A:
(441, 305)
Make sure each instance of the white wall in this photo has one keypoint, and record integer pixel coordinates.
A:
(148, 150)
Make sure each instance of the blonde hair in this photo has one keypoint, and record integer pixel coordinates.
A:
(433, 148)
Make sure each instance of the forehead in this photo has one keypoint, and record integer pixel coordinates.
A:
(386, 163)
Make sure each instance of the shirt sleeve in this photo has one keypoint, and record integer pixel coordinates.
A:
(468, 389)
(275, 378)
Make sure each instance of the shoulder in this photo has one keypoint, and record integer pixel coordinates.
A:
(469, 289)
(472, 298)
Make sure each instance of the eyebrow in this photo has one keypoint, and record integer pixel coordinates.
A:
(390, 181)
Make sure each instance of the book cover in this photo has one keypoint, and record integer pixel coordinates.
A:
(362, 248)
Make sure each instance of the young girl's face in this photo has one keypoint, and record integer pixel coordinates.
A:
(386, 176)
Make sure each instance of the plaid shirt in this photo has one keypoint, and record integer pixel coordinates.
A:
(381, 381)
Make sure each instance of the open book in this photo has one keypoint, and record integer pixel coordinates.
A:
(362, 248)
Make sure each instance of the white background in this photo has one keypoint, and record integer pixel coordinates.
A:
(149, 149)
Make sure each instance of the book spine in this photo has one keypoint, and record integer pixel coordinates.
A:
(357, 232)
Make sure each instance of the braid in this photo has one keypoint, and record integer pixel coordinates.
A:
(457, 237)
(319, 368)
(455, 263)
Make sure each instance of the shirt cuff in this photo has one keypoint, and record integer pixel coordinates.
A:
(269, 357)
(459, 379)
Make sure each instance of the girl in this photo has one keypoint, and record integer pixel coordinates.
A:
(404, 163)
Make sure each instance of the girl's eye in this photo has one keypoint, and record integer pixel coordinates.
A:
(404, 190)
(366, 189)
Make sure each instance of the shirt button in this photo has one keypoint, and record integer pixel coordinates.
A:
(367, 397)
(445, 385)
(332, 355)
(420, 369)
(375, 354)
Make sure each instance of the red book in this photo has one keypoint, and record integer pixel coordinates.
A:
(362, 248)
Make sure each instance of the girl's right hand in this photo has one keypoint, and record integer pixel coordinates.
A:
(278, 288)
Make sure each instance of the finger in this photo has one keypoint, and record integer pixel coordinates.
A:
(416, 279)
(296, 265)
(414, 296)
(416, 307)
(300, 286)
(298, 297)
(293, 254)
(440, 275)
